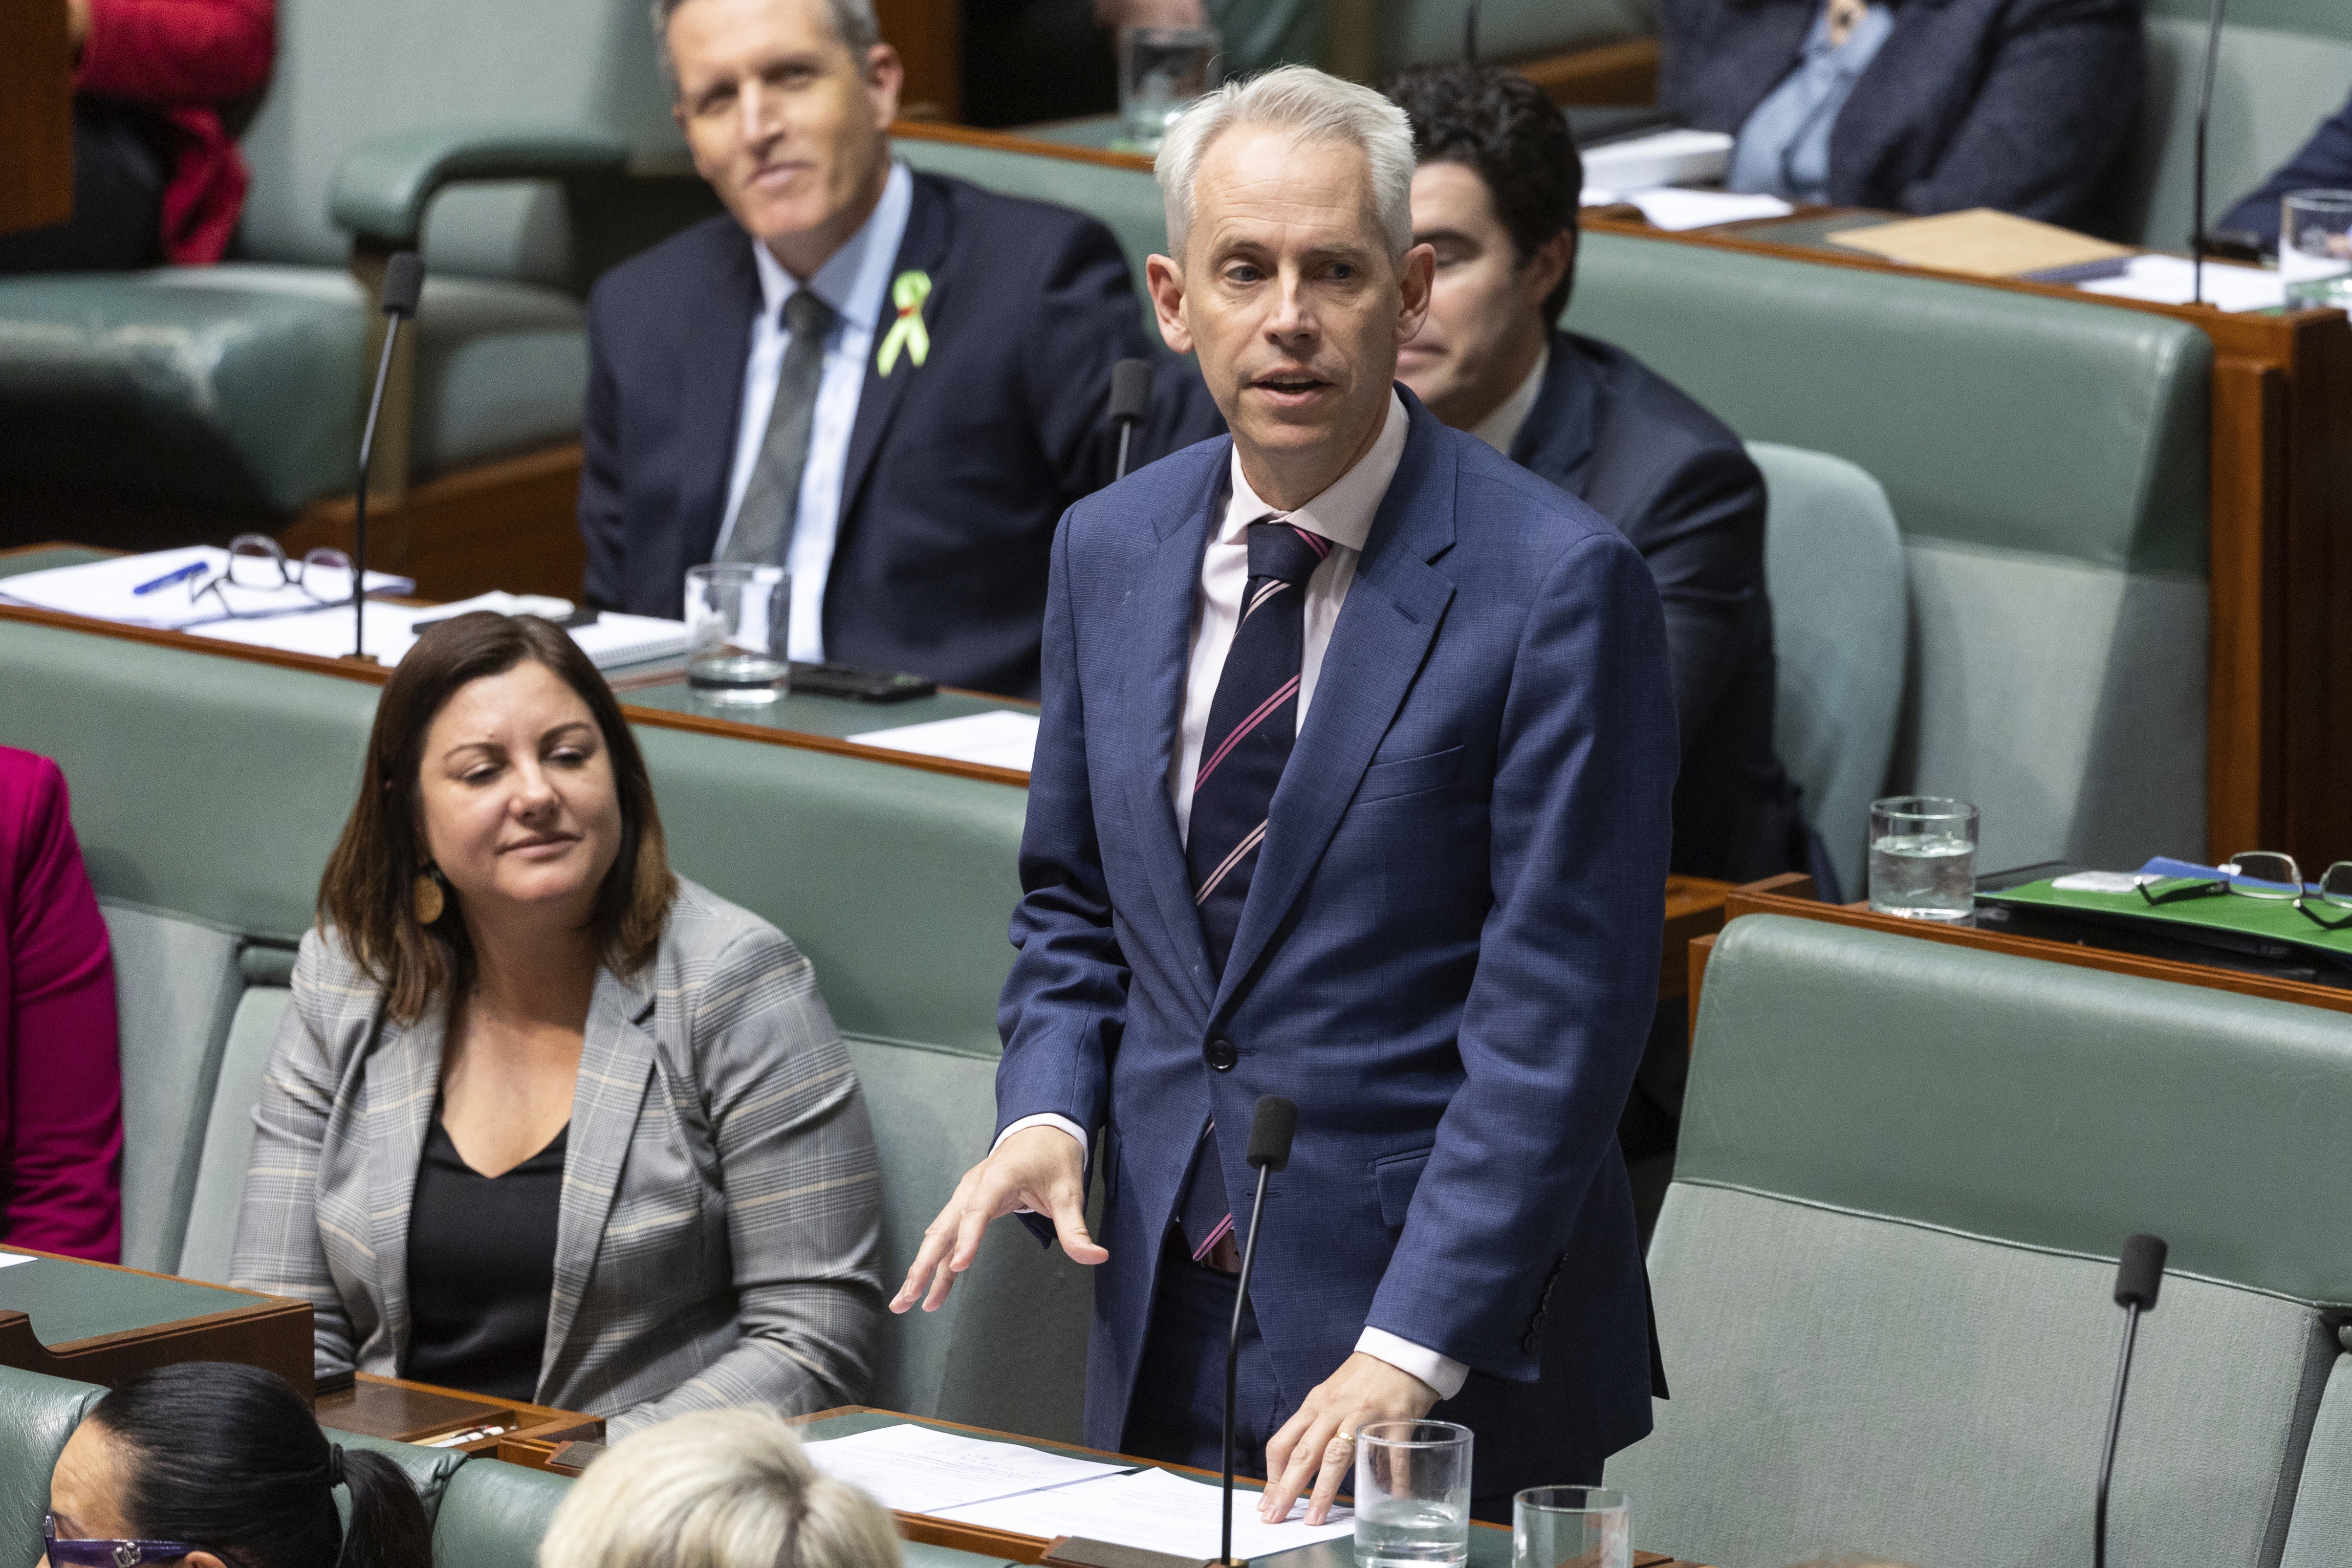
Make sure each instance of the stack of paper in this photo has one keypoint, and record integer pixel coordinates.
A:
(1155, 1509)
(1676, 210)
(1006, 737)
(1980, 242)
(2170, 280)
(106, 589)
(1676, 157)
(917, 1469)
(392, 630)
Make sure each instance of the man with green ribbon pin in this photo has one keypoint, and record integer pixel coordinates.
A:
(889, 382)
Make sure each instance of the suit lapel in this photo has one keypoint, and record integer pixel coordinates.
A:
(617, 1058)
(403, 1080)
(922, 248)
(711, 394)
(1384, 630)
(1151, 709)
(1557, 438)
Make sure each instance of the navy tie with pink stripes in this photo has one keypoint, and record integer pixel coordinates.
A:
(1252, 721)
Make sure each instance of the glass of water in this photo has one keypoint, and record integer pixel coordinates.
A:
(2315, 248)
(1922, 858)
(1413, 1494)
(739, 617)
(1161, 71)
(1571, 1527)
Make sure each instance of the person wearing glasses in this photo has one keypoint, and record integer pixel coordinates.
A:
(216, 1465)
(716, 1488)
(543, 1121)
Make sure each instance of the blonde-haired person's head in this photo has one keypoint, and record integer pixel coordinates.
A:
(716, 1488)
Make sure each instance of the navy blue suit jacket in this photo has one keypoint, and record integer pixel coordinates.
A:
(1448, 958)
(2024, 105)
(2323, 163)
(1622, 438)
(958, 469)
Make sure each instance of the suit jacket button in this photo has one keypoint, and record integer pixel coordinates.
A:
(1532, 1343)
(1222, 1055)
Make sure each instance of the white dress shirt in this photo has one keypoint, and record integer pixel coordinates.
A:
(1501, 427)
(854, 281)
(1342, 514)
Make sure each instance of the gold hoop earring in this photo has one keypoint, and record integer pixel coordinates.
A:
(431, 902)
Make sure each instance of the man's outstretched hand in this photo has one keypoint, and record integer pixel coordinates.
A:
(1316, 1444)
(1040, 1168)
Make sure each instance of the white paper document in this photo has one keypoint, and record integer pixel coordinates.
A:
(107, 590)
(8, 1260)
(917, 1469)
(392, 630)
(2166, 281)
(1006, 738)
(1155, 1509)
(1671, 209)
(1673, 157)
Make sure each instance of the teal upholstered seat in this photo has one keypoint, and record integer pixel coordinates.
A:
(493, 1515)
(2046, 461)
(1833, 566)
(38, 1415)
(1884, 1272)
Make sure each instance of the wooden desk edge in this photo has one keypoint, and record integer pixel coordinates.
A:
(75, 1359)
(541, 1430)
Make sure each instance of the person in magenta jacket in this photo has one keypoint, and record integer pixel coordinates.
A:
(60, 1079)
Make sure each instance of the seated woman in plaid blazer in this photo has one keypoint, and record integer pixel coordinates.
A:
(543, 1121)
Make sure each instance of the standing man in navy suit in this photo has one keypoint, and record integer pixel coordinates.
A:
(890, 383)
(1353, 785)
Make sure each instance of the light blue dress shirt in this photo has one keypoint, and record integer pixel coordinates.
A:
(1784, 148)
(855, 280)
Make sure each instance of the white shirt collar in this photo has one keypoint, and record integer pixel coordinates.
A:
(1501, 429)
(852, 278)
(1343, 513)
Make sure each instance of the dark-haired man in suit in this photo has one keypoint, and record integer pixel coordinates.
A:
(890, 383)
(1495, 196)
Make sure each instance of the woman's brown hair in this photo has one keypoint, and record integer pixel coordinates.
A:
(367, 894)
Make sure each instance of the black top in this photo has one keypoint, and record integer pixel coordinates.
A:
(481, 1266)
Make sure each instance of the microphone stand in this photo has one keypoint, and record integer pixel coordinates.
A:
(1126, 429)
(359, 516)
(2114, 1424)
(2204, 113)
(1233, 1356)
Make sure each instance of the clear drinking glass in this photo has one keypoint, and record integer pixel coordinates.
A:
(1413, 1494)
(1571, 1527)
(2315, 248)
(1161, 71)
(741, 617)
(1922, 858)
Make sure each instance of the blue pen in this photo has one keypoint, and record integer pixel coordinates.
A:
(193, 569)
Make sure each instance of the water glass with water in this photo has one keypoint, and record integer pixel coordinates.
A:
(1413, 1494)
(1161, 71)
(2315, 248)
(1922, 858)
(739, 617)
(1571, 1527)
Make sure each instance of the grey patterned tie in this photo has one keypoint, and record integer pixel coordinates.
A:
(763, 523)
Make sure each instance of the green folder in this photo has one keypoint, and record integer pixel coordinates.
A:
(2269, 929)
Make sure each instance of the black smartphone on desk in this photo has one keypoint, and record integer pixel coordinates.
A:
(857, 685)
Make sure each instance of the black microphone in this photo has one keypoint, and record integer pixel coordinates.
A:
(2137, 1277)
(2197, 233)
(1130, 400)
(403, 282)
(1470, 34)
(1276, 1123)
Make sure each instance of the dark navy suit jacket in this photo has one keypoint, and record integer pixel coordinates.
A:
(958, 468)
(1630, 444)
(2325, 163)
(2024, 105)
(1448, 958)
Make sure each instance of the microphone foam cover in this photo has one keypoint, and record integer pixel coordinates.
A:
(2140, 1272)
(1270, 1133)
(403, 282)
(1130, 390)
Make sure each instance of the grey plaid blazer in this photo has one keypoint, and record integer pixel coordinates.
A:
(720, 1236)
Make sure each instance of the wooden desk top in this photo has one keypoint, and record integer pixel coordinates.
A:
(100, 1322)
(433, 1417)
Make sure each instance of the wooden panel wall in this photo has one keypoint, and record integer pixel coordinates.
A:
(36, 115)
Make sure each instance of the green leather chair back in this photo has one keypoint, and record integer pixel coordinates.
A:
(494, 1515)
(1833, 567)
(429, 1470)
(2046, 461)
(2320, 1533)
(38, 1415)
(227, 1127)
(1410, 32)
(2282, 68)
(1884, 1272)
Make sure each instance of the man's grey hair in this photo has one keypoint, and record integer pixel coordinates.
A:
(1311, 106)
(853, 21)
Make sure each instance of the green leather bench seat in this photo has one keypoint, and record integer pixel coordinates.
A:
(1884, 1272)
(2046, 461)
(240, 384)
(896, 882)
(1409, 32)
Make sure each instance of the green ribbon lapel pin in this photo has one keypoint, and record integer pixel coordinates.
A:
(907, 293)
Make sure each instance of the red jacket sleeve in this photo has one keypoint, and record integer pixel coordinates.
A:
(63, 1090)
(177, 51)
